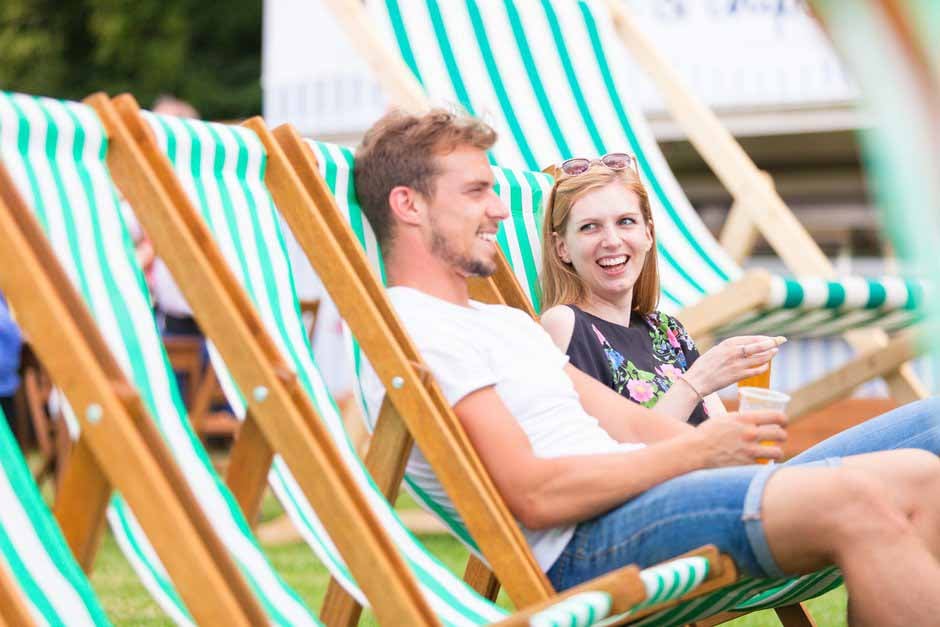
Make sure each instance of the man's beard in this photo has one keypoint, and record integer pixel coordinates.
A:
(468, 266)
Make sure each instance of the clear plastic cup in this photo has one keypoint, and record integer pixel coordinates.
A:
(756, 399)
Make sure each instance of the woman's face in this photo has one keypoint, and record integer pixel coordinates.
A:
(606, 240)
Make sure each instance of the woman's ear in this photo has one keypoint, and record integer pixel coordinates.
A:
(561, 248)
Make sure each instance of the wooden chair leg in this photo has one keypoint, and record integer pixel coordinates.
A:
(248, 466)
(388, 454)
(81, 503)
(796, 615)
(479, 577)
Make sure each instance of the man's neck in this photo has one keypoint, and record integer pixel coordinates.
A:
(427, 275)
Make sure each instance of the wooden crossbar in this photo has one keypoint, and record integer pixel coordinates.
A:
(282, 411)
(121, 446)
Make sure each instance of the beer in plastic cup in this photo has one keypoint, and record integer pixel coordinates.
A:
(756, 399)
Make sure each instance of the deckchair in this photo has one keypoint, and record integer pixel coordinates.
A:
(212, 179)
(42, 583)
(549, 76)
(67, 266)
(394, 357)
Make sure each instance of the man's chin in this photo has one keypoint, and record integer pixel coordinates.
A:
(477, 270)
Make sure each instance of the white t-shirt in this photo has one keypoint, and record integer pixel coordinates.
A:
(468, 348)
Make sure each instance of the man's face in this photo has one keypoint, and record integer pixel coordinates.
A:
(464, 213)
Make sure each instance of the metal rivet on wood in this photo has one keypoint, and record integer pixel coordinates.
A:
(398, 383)
(93, 413)
(260, 393)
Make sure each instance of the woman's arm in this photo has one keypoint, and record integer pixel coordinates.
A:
(558, 322)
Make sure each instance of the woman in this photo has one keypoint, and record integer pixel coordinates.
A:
(600, 289)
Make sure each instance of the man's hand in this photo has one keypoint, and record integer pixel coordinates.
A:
(741, 438)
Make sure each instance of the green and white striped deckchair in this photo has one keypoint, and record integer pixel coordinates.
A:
(56, 152)
(549, 76)
(517, 189)
(33, 550)
(222, 169)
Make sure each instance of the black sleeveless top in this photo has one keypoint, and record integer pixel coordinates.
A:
(639, 362)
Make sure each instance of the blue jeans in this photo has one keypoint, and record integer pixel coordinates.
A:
(722, 506)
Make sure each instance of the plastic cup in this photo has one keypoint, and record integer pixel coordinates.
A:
(756, 399)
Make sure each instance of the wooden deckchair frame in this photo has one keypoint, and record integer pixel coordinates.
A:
(414, 409)
(285, 420)
(757, 205)
(120, 447)
(13, 609)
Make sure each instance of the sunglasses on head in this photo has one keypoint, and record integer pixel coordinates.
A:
(612, 160)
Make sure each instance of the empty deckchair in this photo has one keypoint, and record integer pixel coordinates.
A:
(549, 76)
(69, 269)
(215, 176)
(517, 189)
(44, 578)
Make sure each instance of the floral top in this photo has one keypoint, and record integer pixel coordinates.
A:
(640, 361)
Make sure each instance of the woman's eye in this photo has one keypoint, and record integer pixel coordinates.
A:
(586, 227)
(629, 221)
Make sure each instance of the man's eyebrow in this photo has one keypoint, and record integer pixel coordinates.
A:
(480, 183)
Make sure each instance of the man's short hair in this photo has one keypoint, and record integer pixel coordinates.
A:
(168, 104)
(401, 149)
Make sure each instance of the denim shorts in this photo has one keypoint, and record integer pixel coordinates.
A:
(721, 506)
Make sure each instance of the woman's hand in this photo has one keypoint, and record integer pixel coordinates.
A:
(732, 360)
(738, 439)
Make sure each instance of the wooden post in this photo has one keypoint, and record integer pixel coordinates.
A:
(248, 465)
(13, 609)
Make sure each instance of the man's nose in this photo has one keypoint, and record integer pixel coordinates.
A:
(497, 208)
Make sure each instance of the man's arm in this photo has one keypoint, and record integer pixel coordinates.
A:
(624, 420)
(548, 492)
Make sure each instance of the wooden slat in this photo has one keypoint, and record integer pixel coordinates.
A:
(283, 411)
(81, 502)
(14, 611)
(842, 381)
(249, 462)
(745, 295)
(385, 460)
(479, 577)
(340, 262)
(123, 440)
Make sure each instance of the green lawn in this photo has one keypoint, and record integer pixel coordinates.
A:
(127, 603)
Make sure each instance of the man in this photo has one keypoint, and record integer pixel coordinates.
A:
(597, 482)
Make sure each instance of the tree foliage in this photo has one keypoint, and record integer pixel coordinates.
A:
(205, 51)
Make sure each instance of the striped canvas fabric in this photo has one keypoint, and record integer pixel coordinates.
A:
(559, 62)
(33, 550)
(55, 152)
(237, 207)
(336, 164)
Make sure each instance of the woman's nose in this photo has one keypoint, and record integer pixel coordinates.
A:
(609, 236)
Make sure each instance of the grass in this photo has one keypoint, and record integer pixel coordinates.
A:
(127, 603)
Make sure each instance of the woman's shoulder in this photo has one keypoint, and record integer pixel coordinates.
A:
(558, 322)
